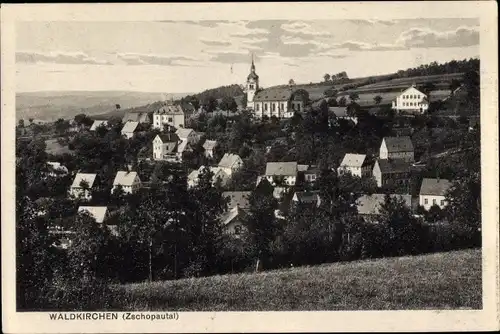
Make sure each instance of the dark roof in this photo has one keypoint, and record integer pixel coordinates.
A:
(388, 166)
(238, 198)
(307, 196)
(141, 117)
(274, 94)
(253, 75)
(170, 109)
(168, 137)
(371, 204)
(437, 187)
(398, 144)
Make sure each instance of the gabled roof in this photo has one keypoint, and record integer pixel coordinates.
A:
(281, 169)
(302, 168)
(216, 171)
(388, 166)
(141, 117)
(412, 87)
(237, 198)
(398, 144)
(273, 94)
(88, 177)
(124, 178)
(229, 159)
(98, 123)
(353, 160)
(130, 126)
(182, 146)
(97, 212)
(306, 196)
(232, 214)
(168, 137)
(209, 144)
(437, 187)
(184, 132)
(371, 204)
(170, 109)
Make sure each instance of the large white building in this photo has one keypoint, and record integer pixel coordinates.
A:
(170, 114)
(356, 164)
(129, 181)
(281, 173)
(412, 101)
(281, 102)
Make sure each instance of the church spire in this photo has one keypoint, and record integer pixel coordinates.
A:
(252, 68)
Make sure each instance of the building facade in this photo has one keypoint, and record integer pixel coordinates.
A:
(170, 114)
(165, 147)
(356, 164)
(412, 101)
(397, 148)
(433, 192)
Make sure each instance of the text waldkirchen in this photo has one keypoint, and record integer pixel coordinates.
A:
(113, 316)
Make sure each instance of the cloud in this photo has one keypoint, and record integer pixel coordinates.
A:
(58, 57)
(305, 29)
(203, 23)
(161, 60)
(214, 42)
(427, 38)
(373, 22)
(364, 46)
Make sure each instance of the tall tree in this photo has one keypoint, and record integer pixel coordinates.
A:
(326, 77)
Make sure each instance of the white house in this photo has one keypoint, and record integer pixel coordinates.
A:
(169, 114)
(78, 189)
(284, 173)
(397, 148)
(411, 100)
(218, 174)
(98, 123)
(433, 192)
(230, 163)
(356, 164)
(209, 146)
(56, 169)
(129, 181)
(129, 128)
(165, 147)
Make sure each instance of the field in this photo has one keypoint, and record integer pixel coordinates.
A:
(53, 147)
(438, 281)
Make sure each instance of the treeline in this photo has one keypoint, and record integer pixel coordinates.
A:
(208, 98)
(434, 68)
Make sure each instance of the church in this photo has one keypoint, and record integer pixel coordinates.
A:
(279, 101)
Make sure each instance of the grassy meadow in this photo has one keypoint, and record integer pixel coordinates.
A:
(438, 281)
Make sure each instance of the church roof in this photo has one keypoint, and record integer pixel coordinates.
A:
(274, 94)
(253, 76)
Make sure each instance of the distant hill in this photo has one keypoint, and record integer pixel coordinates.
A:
(49, 106)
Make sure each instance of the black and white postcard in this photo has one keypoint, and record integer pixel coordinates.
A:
(253, 167)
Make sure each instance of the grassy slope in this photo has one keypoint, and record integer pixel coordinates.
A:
(437, 281)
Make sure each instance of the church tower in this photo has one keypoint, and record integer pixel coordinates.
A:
(252, 86)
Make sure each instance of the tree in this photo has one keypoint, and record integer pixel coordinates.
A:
(342, 101)
(228, 103)
(454, 84)
(209, 103)
(30, 120)
(20, 123)
(377, 99)
(428, 87)
(353, 96)
(326, 77)
(61, 126)
(83, 120)
(291, 82)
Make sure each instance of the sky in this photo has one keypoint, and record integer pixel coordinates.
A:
(190, 56)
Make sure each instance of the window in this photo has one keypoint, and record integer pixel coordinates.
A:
(257, 107)
(426, 201)
(282, 106)
(265, 106)
(273, 107)
(434, 202)
(251, 86)
(170, 119)
(442, 202)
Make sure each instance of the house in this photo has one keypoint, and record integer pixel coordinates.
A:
(397, 148)
(82, 185)
(137, 116)
(233, 221)
(129, 181)
(411, 100)
(342, 113)
(310, 173)
(280, 102)
(188, 135)
(218, 174)
(99, 213)
(356, 164)
(98, 123)
(56, 169)
(209, 146)
(307, 197)
(165, 147)
(369, 206)
(281, 173)
(171, 114)
(389, 172)
(433, 192)
(129, 128)
(230, 163)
